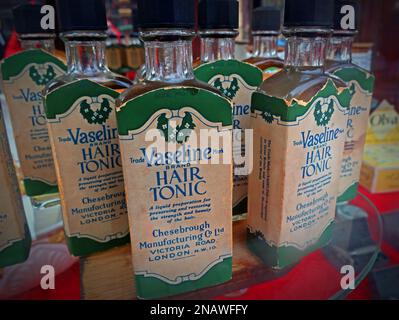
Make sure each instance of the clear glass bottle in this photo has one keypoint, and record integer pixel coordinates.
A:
(86, 59)
(170, 101)
(361, 83)
(304, 66)
(25, 75)
(134, 52)
(113, 52)
(237, 80)
(292, 206)
(168, 62)
(84, 140)
(266, 23)
(15, 238)
(217, 45)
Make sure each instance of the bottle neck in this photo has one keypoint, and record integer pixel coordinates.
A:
(168, 55)
(265, 45)
(85, 53)
(306, 49)
(340, 49)
(38, 41)
(217, 45)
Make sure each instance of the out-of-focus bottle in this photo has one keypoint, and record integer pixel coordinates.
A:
(15, 239)
(24, 76)
(265, 30)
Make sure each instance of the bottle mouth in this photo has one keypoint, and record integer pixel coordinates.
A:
(83, 35)
(36, 36)
(218, 33)
(345, 33)
(265, 33)
(166, 34)
(307, 32)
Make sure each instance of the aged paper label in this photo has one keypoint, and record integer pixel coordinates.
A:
(237, 81)
(361, 85)
(297, 158)
(12, 219)
(179, 201)
(24, 76)
(84, 138)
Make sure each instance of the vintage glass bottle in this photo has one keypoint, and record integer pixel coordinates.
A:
(82, 124)
(266, 23)
(361, 83)
(237, 80)
(299, 120)
(15, 238)
(173, 200)
(24, 76)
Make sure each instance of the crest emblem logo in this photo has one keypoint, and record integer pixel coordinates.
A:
(179, 134)
(95, 110)
(323, 112)
(229, 86)
(41, 75)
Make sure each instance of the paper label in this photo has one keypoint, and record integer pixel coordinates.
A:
(298, 149)
(237, 81)
(383, 125)
(361, 86)
(12, 219)
(24, 76)
(179, 204)
(84, 138)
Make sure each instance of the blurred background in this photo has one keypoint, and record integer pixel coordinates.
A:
(377, 47)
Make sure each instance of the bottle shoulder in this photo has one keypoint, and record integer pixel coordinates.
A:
(110, 80)
(333, 66)
(265, 63)
(144, 87)
(290, 84)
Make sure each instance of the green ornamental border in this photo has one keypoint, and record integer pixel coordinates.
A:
(365, 80)
(37, 188)
(17, 252)
(153, 288)
(84, 246)
(349, 193)
(13, 65)
(250, 73)
(278, 107)
(60, 100)
(284, 256)
(135, 113)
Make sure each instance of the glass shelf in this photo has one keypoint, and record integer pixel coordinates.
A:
(356, 242)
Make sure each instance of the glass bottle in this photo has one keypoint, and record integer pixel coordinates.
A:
(81, 119)
(266, 23)
(361, 83)
(24, 76)
(299, 120)
(134, 52)
(113, 53)
(216, 45)
(174, 106)
(237, 80)
(15, 239)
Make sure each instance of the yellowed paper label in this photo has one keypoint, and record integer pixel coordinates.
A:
(297, 159)
(12, 219)
(23, 91)
(355, 140)
(85, 144)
